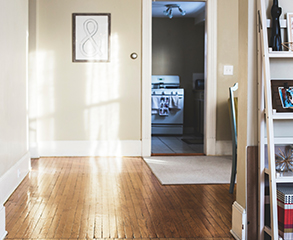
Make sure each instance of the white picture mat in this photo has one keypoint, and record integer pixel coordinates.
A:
(92, 37)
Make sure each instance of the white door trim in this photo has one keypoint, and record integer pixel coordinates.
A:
(146, 120)
(210, 74)
(210, 78)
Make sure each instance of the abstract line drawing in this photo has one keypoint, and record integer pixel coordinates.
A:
(88, 46)
(91, 37)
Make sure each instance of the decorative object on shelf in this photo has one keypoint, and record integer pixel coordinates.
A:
(91, 37)
(288, 45)
(276, 41)
(290, 30)
(169, 11)
(284, 160)
(286, 96)
(276, 100)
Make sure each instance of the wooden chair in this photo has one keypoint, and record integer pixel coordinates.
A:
(233, 107)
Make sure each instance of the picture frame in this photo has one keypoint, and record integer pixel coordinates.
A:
(91, 37)
(279, 99)
(290, 30)
(286, 96)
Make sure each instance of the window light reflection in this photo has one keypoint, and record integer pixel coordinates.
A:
(46, 93)
(101, 116)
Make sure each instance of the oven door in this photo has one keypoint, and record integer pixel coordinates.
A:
(171, 121)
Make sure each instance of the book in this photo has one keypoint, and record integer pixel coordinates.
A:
(285, 211)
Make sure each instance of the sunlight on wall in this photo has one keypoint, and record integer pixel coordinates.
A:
(45, 93)
(101, 116)
(32, 98)
(32, 102)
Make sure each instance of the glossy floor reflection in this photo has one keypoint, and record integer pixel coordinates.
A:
(95, 198)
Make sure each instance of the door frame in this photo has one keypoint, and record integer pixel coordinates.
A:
(210, 96)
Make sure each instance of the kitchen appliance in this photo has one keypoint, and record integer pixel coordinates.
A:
(167, 105)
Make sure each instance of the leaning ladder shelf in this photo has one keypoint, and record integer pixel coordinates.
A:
(267, 118)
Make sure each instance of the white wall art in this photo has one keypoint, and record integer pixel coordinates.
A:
(91, 37)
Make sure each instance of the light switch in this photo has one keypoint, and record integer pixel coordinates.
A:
(228, 70)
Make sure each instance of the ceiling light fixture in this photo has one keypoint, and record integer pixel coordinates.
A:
(169, 11)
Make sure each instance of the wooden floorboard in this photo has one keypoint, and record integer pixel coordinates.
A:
(70, 198)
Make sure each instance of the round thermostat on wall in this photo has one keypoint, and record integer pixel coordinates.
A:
(133, 55)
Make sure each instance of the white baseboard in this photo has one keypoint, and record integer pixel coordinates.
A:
(107, 148)
(13, 177)
(89, 148)
(2, 222)
(223, 148)
(238, 222)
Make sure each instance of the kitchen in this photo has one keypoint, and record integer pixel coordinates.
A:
(178, 52)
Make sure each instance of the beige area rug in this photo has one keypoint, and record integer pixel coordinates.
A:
(191, 169)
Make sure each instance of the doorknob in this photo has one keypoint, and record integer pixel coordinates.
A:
(133, 55)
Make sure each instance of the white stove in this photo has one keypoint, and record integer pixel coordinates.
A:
(167, 105)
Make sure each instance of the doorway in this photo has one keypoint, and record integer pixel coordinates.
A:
(178, 48)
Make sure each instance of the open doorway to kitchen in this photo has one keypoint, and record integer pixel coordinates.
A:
(178, 65)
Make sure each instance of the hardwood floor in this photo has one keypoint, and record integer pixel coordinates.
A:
(99, 197)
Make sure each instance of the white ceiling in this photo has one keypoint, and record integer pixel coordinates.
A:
(191, 8)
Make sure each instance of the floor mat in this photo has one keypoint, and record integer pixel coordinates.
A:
(191, 170)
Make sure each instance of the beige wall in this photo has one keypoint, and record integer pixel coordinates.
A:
(178, 49)
(227, 55)
(248, 126)
(102, 101)
(13, 128)
(85, 101)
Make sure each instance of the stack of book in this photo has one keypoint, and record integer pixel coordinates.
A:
(285, 211)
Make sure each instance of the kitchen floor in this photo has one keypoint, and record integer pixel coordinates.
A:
(176, 145)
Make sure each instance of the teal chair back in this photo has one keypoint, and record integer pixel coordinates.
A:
(233, 105)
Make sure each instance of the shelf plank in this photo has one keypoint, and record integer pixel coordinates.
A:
(284, 177)
(284, 140)
(281, 54)
(280, 115)
(283, 116)
(281, 140)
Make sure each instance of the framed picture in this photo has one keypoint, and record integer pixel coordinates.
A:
(91, 37)
(286, 96)
(282, 95)
(290, 30)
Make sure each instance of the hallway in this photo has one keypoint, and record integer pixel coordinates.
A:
(99, 197)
